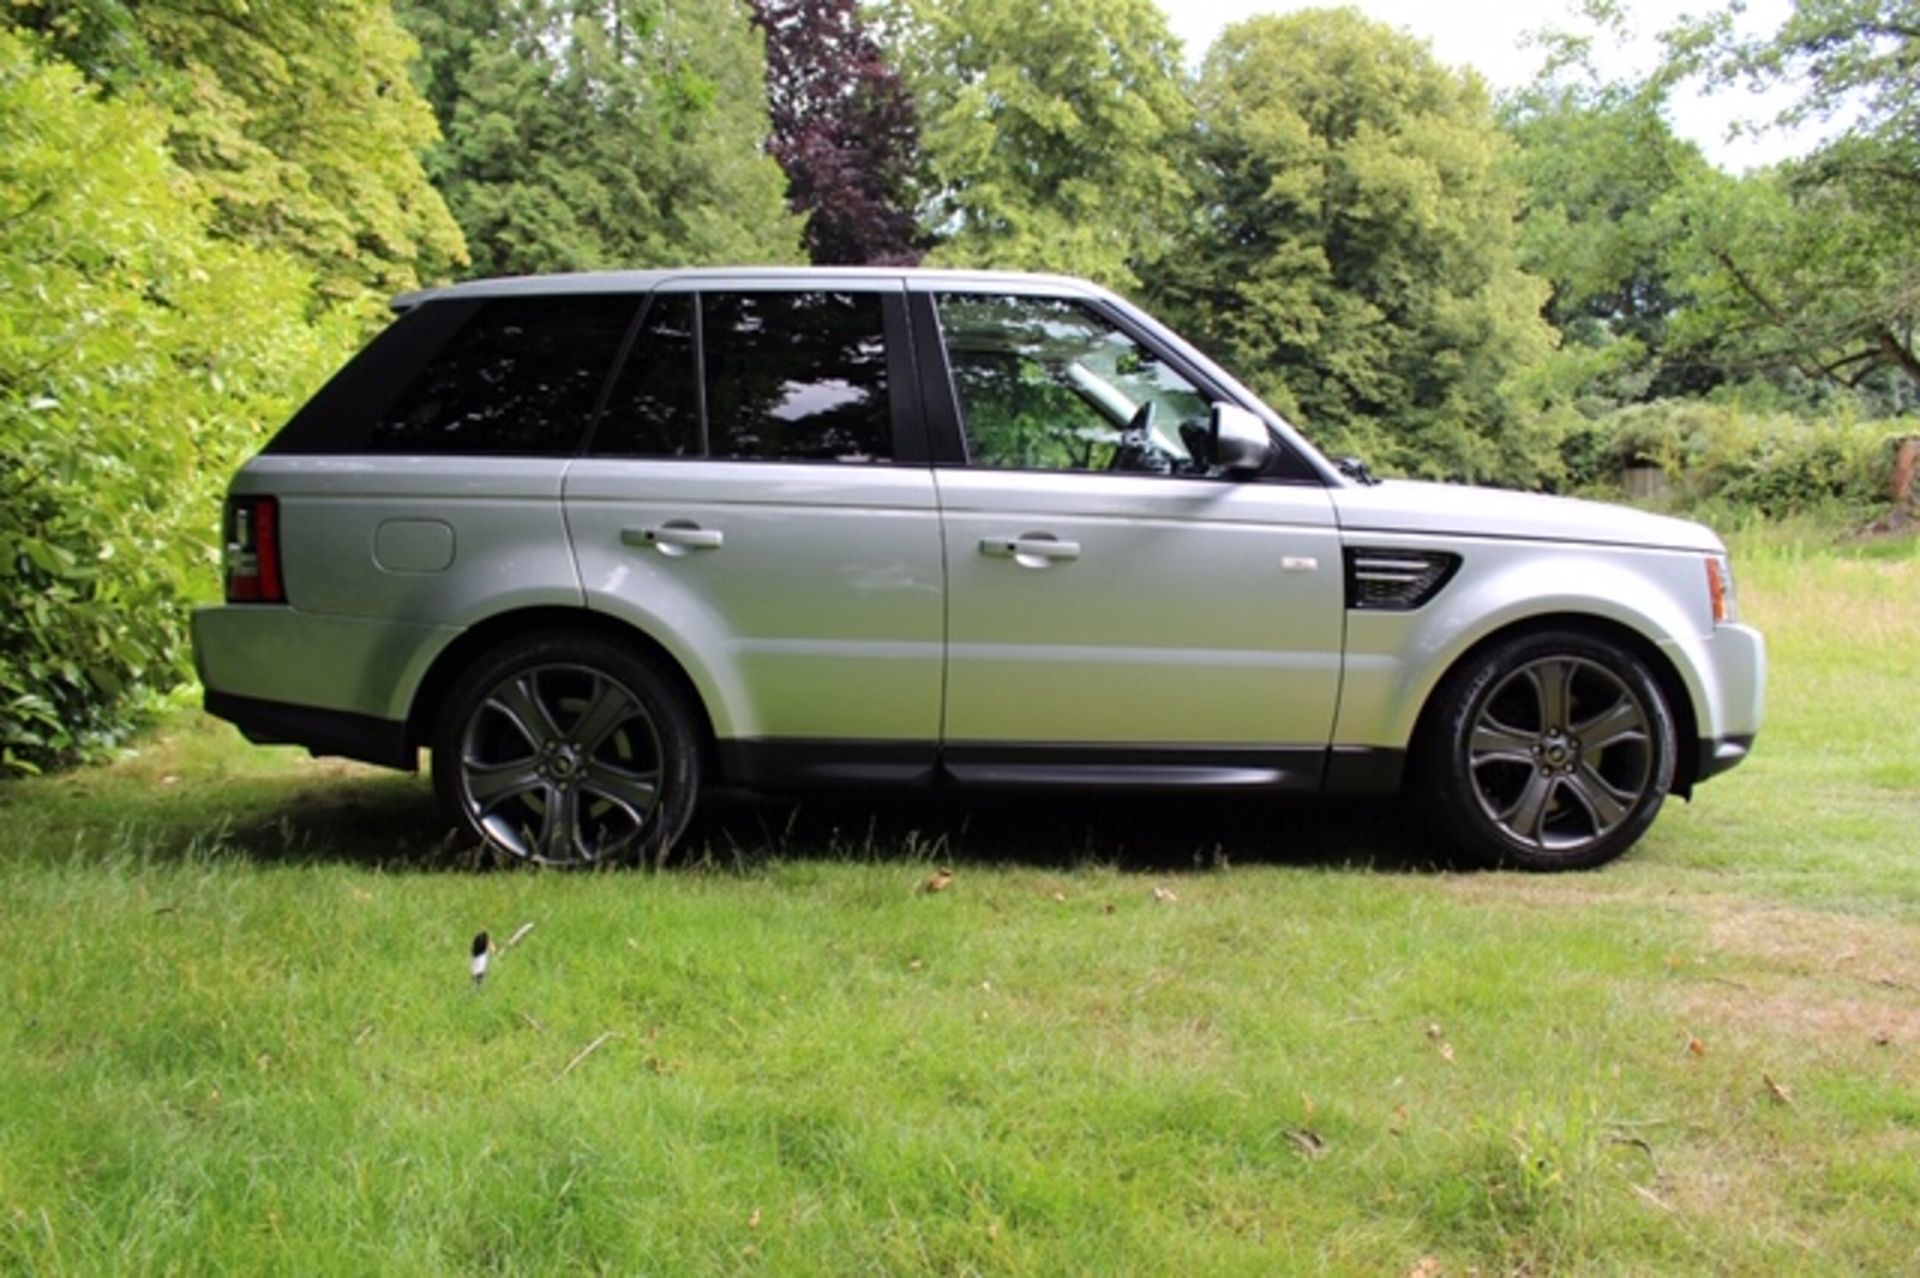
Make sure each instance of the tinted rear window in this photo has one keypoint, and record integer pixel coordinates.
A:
(796, 376)
(789, 376)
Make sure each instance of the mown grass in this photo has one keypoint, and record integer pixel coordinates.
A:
(236, 1032)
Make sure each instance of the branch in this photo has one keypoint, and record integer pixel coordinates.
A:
(1898, 352)
(1805, 358)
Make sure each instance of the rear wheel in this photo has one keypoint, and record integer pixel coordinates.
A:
(566, 751)
(1550, 751)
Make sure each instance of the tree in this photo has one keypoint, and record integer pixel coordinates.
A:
(1599, 166)
(1053, 132)
(143, 353)
(845, 131)
(1816, 266)
(1355, 252)
(603, 133)
(298, 118)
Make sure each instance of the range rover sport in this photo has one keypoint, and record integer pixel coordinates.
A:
(598, 541)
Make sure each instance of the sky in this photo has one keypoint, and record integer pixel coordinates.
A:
(1490, 37)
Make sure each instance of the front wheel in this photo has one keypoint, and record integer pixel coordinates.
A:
(566, 751)
(1549, 751)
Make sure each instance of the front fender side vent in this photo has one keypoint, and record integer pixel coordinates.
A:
(1386, 580)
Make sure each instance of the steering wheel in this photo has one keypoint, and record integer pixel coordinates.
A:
(1136, 441)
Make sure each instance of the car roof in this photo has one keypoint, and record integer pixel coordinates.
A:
(646, 281)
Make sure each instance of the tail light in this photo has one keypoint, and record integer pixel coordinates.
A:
(253, 551)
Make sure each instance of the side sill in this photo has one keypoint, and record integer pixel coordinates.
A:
(1365, 770)
(761, 764)
(1103, 767)
(322, 732)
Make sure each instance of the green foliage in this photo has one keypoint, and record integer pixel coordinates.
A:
(298, 118)
(1599, 163)
(1053, 134)
(1355, 257)
(1720, 455)
(141, 357)
(604, 135)
(1815, 267)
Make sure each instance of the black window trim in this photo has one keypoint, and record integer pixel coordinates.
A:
(947, 421)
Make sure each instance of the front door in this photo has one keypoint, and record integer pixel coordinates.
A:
(1112, 605)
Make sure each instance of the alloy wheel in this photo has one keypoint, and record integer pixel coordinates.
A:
(1561, 754)
(561, 764)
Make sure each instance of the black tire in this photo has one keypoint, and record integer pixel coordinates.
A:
(1548, 751)
(566, 750)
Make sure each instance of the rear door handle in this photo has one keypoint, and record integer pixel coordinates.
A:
(1031, 550)
(676, 536)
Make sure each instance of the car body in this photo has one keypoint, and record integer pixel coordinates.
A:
(870, 526)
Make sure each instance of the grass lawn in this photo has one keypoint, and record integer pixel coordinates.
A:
(237, 1034)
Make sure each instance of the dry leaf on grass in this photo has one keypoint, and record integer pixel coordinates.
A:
(1779, 1091)
(1426, 1267)
(1165, 896)
(1696, 1046)
(1309, 1143)
(1446, 1053)
(753, 1221)
(939, 881)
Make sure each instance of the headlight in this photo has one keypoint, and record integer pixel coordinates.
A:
(1726, 606)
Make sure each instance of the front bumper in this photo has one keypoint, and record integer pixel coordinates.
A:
(1718, 754)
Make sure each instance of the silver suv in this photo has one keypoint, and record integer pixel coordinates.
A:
(598, 541)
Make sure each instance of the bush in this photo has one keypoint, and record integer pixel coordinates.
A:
(140, 358)
(1774, 463)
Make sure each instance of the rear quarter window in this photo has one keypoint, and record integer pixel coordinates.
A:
(503, 377)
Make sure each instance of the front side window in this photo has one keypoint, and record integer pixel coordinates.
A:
(1048, 384)
(519, 379)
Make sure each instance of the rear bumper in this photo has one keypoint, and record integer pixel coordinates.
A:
(334, 732)
(286, 657)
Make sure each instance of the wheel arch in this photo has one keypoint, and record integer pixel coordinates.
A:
(1673, 686)
(485, 636)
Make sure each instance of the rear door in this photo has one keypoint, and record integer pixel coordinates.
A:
(756, 496)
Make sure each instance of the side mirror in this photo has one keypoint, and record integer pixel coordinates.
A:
(1241, 444)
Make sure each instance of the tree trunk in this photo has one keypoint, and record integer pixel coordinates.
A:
(1906, 458)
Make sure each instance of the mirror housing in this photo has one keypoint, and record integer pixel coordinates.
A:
(1241, 444)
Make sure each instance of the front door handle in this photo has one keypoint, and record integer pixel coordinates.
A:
(1030, 550)
(676, 537)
